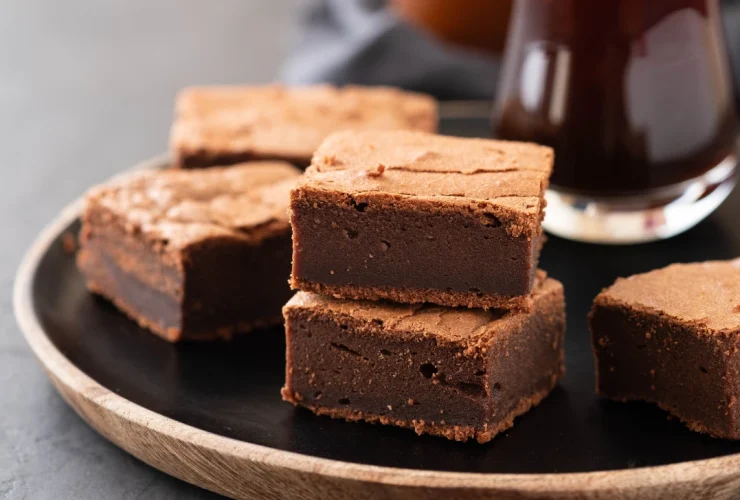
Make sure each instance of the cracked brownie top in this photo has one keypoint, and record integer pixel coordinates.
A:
(704, 294)
(273, 121)
(502, 179)
(179, 207)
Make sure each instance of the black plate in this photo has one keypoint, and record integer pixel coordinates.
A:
(232, 389)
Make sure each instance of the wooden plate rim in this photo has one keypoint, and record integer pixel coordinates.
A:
(67, 377)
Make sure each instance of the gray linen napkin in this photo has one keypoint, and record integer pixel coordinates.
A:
(361, 41)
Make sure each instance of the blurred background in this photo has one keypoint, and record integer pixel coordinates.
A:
(87, 89)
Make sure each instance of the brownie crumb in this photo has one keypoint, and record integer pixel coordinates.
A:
(69, 243)
(332, 161)
(376, 171)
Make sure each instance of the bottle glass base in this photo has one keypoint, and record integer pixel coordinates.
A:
(642, 218)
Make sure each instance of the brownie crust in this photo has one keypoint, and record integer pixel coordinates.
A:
(222, 125)
(672, 337)
(191, 255)
(417, 296)
(457, 373)
(204, 158)
(434, 219)
(482, 435)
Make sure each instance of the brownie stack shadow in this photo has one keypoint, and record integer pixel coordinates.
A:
(420, 301)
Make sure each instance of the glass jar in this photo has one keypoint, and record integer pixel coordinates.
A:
(635, 96)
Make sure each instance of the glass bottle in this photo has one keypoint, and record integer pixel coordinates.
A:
(635, 96)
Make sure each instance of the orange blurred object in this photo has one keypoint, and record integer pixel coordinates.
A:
(478, 24)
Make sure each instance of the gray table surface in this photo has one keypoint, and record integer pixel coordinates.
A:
(86, 90)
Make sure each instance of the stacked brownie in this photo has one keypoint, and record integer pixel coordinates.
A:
(421, 305)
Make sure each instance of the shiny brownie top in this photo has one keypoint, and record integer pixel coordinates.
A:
(179, 207)
(703, 294)
(503, 178)
(278, 121)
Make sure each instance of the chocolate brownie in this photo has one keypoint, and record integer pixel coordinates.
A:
(225, 125)
(192, 255)
(672, 337)
(457, 373)
(416, 217)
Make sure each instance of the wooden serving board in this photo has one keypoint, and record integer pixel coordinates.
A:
(211, 414)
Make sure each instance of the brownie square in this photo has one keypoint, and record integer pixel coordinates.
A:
(672, 337)
(416, 217)
(192, 255)
(224, 125)
(457, 373)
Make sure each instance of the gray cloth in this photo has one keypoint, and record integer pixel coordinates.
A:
(361, 41)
